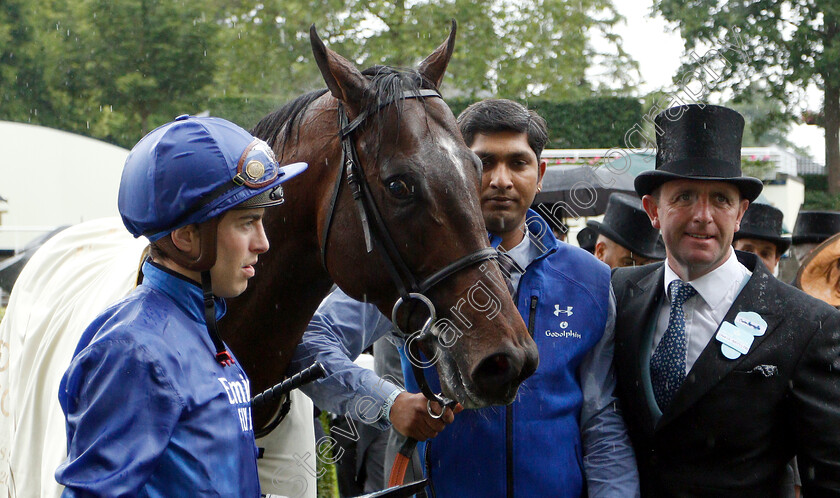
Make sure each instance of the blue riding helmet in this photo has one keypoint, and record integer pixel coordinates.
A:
(194, 169)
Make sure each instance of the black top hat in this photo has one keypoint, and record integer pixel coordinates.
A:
(627, 223)
(815, 226)
(699, 142)
(586, 239)
(763, 222)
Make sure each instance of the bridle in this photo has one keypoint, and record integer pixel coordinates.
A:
(378, 236)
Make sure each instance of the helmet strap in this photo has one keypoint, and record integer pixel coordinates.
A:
(222, 355)
(207, 247)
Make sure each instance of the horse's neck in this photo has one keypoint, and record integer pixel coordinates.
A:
(265, 324)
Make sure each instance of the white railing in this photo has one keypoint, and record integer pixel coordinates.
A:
(783, 160)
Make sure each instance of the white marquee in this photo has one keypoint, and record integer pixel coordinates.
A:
(51, 178)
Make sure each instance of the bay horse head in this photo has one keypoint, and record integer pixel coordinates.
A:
(389, 211)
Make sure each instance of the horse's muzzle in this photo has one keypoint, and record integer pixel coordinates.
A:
(497, 377)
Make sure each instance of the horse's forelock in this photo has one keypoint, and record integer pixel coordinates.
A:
(387, 84)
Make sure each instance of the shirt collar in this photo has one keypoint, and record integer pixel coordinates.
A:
(538, 241)
(715, 285)
(185, 293)
(522, 253)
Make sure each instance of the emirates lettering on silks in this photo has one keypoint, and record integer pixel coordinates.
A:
(239, 393)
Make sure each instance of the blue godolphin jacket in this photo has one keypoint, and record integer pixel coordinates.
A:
(533, 446)
(149, 411)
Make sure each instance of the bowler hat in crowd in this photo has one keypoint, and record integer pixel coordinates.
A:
(627, 224)
(815, 226)
(763, 222)
(586, 239)
(698, 142)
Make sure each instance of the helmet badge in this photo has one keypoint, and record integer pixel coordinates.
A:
(254, 169)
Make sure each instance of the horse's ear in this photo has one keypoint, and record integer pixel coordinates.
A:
(344, 81)
(434, 66)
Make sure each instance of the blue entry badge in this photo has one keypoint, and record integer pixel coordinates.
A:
(735, 341)
(751, 322)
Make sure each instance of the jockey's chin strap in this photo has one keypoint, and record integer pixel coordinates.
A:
(222, 354)
(208, 231)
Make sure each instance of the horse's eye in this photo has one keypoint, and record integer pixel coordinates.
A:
(400, 189)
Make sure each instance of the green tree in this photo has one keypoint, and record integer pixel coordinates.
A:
(148, 57)
(767, 123)
(548, 48)
(271, 41)
(113, 70)
(264, 46)
(536, 48)
(33, 84)
(106, 69)
(19, 78)
(780, 47)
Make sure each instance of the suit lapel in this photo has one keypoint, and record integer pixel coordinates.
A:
(641, 301)
(711, 366)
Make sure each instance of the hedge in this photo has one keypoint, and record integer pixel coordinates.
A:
(595, 123)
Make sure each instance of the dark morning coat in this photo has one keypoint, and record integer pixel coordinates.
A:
(734, 424)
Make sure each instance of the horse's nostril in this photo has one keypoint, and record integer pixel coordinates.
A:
(501, 362)
(495, 374)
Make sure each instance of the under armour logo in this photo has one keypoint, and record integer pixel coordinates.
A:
(567, 311)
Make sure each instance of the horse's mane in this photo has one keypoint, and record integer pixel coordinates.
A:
(269, 126)
(387, 84)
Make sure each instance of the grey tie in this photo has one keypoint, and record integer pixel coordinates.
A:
(667, 363)
(508, 266)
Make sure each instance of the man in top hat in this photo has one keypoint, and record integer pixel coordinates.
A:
(761, 234)
(724, 373)
(811, 229)
(625, 237)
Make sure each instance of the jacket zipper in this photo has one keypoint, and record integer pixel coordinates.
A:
(532, 315)
(509, 410)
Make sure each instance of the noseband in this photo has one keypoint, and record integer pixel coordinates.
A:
(379, 237)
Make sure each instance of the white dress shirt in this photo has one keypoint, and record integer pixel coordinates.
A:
(716, 291)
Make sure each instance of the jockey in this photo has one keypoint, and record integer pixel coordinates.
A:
(154, 403)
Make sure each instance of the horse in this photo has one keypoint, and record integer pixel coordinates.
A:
(391, 185)
(423, 181)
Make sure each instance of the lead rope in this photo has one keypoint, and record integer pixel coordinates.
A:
(222, 355)
(403, 456)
